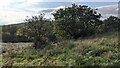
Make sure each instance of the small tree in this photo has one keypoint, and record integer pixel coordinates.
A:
(76, 21)
(111, 23)
(38, 29)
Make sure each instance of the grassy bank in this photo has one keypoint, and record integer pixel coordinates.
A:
(100, 50)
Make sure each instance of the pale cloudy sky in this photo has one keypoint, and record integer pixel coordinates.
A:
(15, 11)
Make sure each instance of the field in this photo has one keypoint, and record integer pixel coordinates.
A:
(100, 50)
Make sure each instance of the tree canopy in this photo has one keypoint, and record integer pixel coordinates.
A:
(38, 29)
(76, 21)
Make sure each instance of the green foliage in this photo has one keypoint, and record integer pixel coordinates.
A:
(39, 30)
(76, 21)
(70, 22)
(98, 56)
(10, 34)
(112, 23)
(109, 24)
(83, 52)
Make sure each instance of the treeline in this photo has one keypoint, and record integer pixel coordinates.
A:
(73, 22)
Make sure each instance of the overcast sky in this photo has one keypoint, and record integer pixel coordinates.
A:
(15, 11)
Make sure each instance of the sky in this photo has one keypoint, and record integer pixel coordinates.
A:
(16, 11)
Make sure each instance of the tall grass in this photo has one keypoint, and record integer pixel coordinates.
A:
(102, 50)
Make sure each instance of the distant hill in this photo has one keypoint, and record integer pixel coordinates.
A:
(9, 33)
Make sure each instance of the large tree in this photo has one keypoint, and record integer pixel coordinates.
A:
(76, 21)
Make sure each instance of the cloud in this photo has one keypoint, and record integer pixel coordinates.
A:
(15, 11)
(110, 10)
(48, 11)
(12, 17)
